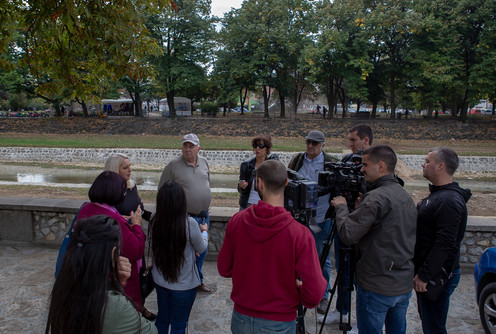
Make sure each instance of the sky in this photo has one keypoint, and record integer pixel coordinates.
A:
(219, 7)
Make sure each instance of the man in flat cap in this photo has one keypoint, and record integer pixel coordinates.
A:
(309, 164)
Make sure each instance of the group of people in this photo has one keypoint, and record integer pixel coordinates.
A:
(398, 246)
(273, 260)
(97, 289)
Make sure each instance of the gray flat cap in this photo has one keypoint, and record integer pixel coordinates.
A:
(316, 136)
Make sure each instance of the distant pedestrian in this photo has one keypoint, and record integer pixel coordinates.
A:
(324, 111)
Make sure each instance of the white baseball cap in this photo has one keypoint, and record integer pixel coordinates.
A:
(191, 138)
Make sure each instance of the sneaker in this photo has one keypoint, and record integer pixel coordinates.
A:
(322, 307)
(333, 318)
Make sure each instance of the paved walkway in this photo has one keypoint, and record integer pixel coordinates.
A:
(26, 278)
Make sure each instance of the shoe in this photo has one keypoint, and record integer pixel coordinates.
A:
(149, 315)
(322, 307)
(203, 288)
(333, 318)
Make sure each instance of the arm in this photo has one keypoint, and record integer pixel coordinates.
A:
(353, 226)
(449, 218)
(122, 317)
(244, 175)
(313, 284)
(198, 239)
(167, 175)
(133, 240)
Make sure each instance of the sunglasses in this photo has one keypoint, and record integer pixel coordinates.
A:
(312, 142)
(260, 146)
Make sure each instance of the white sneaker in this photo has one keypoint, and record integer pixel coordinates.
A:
(332, 318)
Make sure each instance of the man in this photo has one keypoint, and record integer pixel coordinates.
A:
(192, 172)
(441, 222)
(309, 165)
(359, 139)
(382, 228)
(271, 258)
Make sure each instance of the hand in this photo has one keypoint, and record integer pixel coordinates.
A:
(338, 200)
(419, 285)
(123, 269)
(203, 227)
(358, 199)
(299, 282)
(243, 184)
(136, 218)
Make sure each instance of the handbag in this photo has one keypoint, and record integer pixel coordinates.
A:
(65, 243)
(436, 285)
(146, 278)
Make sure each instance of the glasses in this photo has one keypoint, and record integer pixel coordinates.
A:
(260, 146)
(312, 142)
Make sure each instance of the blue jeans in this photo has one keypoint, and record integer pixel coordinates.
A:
(173, 309)
(374, 311)
(319, 243)
(243, 324)
(201, 258)
(343, 301)
(434, 314)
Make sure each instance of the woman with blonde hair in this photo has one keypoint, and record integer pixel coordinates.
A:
(120, 164)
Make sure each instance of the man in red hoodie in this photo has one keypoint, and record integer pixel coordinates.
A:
(271, 258)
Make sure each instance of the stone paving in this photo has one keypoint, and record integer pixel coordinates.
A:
(26, 278)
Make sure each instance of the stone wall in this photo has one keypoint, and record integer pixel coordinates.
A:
(218, 160)
(45, 222)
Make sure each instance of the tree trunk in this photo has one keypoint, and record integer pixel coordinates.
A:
(374, 110)
(266, 97)
(138, 112)
(170, 103)
(58, 112)
(283, 105)
(393, 97)
(331, 96)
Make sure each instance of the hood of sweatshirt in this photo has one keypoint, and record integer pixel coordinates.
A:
(465, 193)
(263, 221)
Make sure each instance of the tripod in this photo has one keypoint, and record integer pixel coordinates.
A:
(344, 278)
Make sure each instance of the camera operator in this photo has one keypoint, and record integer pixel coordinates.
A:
(264, 250)
(359, 139)
(382, 228)
(309, 165)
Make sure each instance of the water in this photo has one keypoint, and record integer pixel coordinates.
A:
(83, 178)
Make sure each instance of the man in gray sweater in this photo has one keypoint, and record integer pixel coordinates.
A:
(382, 228)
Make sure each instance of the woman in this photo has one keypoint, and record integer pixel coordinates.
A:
(107, 191)
(120, 164)
(246, 186)
(87, 295)
(175, 238)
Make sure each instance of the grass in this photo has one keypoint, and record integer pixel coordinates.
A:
(283, 144)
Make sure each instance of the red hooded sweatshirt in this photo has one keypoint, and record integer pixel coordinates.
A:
(265, 250)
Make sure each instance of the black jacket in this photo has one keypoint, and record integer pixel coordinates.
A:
(441, 223)
(247, 173)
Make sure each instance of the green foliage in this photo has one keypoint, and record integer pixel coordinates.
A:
(209, 108)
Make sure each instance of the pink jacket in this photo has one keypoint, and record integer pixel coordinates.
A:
(132, 246)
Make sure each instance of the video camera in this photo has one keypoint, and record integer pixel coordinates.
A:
(300, 197)
(343, 179)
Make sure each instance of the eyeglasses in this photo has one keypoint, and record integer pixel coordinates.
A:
(312, 142)
(260, 146)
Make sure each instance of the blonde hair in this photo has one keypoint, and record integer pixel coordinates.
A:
(113, 164)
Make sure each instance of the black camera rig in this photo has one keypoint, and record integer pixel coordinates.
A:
(300, 197)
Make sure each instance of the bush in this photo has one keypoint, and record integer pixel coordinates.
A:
(209, 108)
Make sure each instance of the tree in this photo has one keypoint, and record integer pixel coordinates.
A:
(186, 40)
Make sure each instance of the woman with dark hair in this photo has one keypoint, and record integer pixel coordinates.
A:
(87, 295)
(120, 164)
(107, 191)
(246, 186)
(175, 238)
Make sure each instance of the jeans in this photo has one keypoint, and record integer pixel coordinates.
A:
(243, 324)
(434, 314)
(201, 258)
(374, 311)
(343, 300)
(320, 238)
(173, 309)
